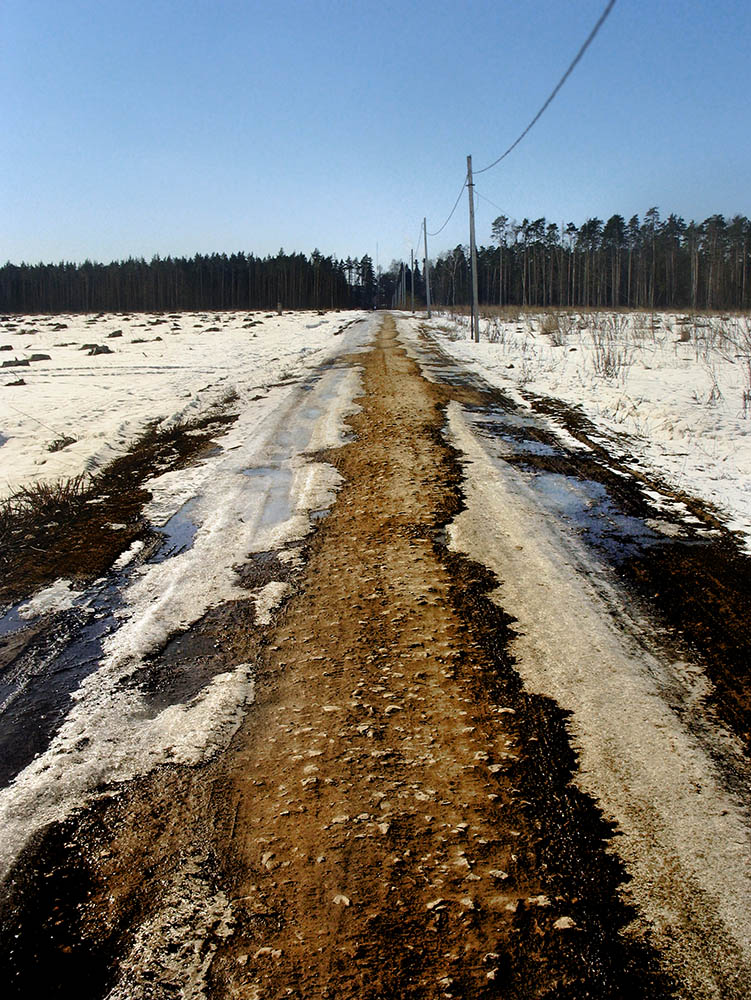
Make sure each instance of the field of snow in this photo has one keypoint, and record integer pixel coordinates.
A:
(165, 368)
(675, 389)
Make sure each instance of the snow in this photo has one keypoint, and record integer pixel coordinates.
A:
(59, 596)
(109, 737)
(162, 368)
(257, 492)
(668, 392)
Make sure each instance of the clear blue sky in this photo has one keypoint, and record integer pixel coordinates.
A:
(183, 126)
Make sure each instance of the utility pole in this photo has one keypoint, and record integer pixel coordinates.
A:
(412, 275)
(473, 253)
(378, 280)
(426, 272)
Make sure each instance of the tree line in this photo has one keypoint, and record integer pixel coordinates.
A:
(216, 281)
(643, 263)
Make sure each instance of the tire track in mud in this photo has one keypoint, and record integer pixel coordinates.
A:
(393, 819)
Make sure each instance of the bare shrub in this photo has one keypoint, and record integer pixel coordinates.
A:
(746, 398)
(549, 324)
(715, 393)
(740, 340)
(558, 326)
(745, 364)
(684, 329)
(525, 372)
(612, 354)
(496, 331)
(59, 443)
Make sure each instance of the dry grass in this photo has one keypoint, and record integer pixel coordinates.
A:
(613, 355)
(59, 443)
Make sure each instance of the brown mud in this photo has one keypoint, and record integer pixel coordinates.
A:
(394, 818)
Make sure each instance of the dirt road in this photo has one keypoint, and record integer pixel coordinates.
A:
(394, 817)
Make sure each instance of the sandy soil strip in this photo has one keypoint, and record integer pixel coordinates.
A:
(380, 838)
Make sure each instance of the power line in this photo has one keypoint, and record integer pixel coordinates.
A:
(416, 243)
(577, 57)
(588, 41)
(464, 184)
(35, 419)
(488, 200)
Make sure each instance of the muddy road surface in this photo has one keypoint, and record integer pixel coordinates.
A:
(474, 754)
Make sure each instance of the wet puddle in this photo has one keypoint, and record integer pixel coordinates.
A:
(276, 482)
(587, 506)
(603, 505)
(179, 532)
(11, 621)
(44, 659)
(43, 663)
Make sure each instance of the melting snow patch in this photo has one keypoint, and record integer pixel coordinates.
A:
(59, 596)
(666, 528)
(109, 737)
(269, 598)
(642, 763)
(176, 945)
(129, 555)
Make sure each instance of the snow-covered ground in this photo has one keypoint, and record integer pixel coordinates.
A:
(676, 389)
(259, 491)
(684, 836)
(162, 367)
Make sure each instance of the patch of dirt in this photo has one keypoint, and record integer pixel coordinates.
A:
(705, 592)
(77, 528)
(394, 817)
(223, 638)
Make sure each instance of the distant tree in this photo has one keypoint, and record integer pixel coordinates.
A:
(613, 240)
(498, 232)
(367, 282)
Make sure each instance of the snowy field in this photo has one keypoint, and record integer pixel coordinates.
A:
(674, 390)
(165, 368)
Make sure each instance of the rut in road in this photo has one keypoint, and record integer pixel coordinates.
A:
(380, 838)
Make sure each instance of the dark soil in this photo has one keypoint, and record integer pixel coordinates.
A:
(77, 528)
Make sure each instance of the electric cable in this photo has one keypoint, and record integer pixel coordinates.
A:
(488, 200)
(577, 57)
(464, 184)
(416, 244)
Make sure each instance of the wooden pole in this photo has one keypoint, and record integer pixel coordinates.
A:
(427, 266)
